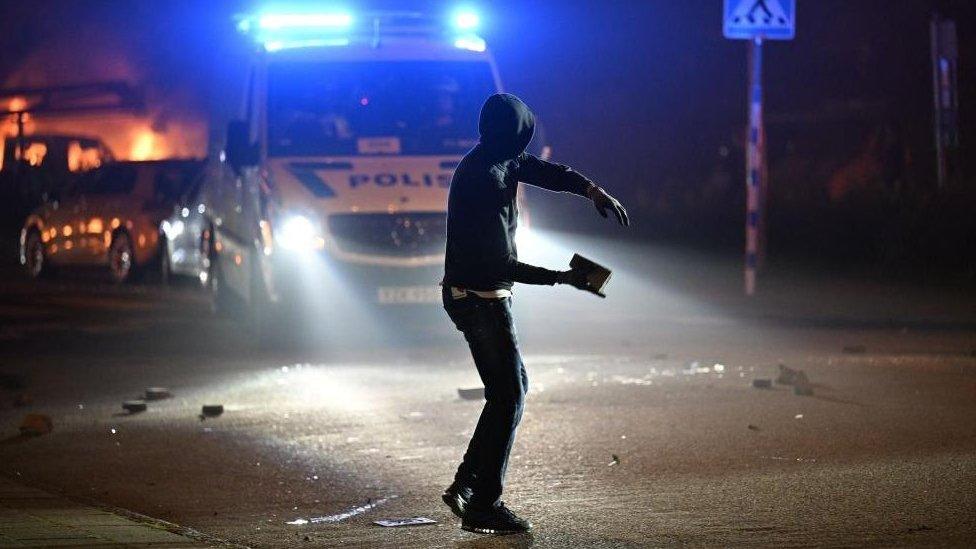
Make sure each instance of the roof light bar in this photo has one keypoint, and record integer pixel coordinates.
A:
(279, 21)
(278, 45)
(466, 20)
(287, 29)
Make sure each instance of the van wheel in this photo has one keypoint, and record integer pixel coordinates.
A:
(223, 302)
(162, 266)
(159, 270)
(165, 267)
(120, 257)
(32, 255)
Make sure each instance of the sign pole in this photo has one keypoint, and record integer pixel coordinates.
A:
(756, 21)
(755, 173)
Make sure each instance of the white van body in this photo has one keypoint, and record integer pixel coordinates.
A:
(355, 139)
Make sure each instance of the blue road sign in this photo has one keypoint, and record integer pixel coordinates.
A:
(766, 19)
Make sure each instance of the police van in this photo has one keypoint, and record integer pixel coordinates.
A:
(343, 154)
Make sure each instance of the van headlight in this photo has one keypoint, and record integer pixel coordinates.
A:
(299, 233)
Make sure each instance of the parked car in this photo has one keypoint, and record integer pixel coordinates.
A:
(109, 218)
(34, 167)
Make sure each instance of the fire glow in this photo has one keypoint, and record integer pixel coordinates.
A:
(148, 145)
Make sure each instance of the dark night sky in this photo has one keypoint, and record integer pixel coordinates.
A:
(628, 91)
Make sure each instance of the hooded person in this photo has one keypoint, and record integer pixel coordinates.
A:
(481, 266)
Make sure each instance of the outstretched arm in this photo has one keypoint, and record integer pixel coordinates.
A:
(551, 176)
(557, 177)
(530, 274)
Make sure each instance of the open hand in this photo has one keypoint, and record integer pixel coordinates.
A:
(603, 202)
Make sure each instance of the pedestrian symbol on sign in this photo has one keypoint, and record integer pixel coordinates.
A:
(768, 19)
(764, 15)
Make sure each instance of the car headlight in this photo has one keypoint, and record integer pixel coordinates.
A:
(299, 233)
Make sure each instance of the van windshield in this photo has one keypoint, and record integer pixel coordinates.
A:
(375, 107)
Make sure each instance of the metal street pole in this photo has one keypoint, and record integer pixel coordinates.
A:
(945, 55)
(755, 173)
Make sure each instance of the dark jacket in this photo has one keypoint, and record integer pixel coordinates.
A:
(481, 211)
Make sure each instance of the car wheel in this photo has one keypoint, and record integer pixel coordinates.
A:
(120, 257)
(32, 255)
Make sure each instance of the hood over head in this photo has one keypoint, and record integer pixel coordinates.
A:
(506, 125)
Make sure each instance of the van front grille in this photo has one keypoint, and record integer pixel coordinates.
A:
(397, 235)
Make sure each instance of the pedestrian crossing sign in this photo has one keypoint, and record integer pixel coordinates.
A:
(765, 19)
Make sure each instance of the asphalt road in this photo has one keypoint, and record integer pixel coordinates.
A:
(641, 429)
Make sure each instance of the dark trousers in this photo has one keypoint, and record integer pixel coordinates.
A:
(488, 328)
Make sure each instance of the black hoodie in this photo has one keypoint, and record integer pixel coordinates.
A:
(482, 213)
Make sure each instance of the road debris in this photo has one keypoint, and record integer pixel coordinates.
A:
(370, 504)
(752, 427)
(36, 425)
(803, 390)
(412, 521)
(762, 383)
(157, 393)
(211, 410)
(134, 406)
(614, 460)
(797, 378)
(476, 393)
(798, 416)
(787, 375)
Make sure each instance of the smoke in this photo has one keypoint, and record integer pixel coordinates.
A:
(66, 47)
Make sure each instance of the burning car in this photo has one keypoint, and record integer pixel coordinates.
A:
(109, 218)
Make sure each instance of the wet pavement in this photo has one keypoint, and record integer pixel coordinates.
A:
(642, 427)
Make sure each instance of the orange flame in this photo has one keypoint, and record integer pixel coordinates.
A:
(148, 145)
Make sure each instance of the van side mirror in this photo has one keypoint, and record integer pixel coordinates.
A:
(240, 150)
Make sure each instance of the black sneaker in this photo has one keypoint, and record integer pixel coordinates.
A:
(457, 498)
(497, 520)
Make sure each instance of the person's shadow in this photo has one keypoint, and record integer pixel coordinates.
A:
(515, 541)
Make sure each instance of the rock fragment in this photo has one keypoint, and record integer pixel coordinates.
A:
(803, 390)
(134, 406)
(212, 410)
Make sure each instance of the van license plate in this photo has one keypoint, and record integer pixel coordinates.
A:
(389, 295)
